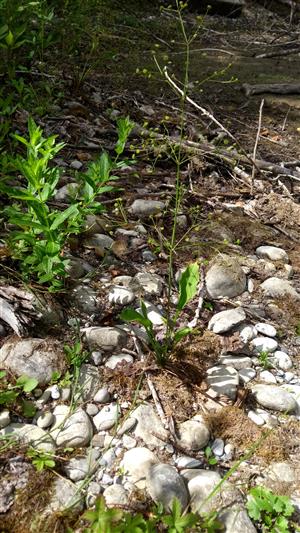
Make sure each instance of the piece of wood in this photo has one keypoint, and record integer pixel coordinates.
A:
(271, 88)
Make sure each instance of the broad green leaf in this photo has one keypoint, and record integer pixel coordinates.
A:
(52, 248)
(63, 215)
(8, 396)
(27, 383)
(180, 333)
(188, 285)
(9, 39)
(2, 374)
(130, 315)
(28, 408)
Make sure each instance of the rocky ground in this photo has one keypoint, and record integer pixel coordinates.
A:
(115, 423)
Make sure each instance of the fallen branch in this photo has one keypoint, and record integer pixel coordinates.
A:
(271, 88)
(256, 143)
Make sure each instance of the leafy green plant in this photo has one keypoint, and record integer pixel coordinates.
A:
(43, 230)
(271, 511)
(40, 460)
(187, 289)
(264, 360)
(211, 459)
(103, 520)
(9, 393)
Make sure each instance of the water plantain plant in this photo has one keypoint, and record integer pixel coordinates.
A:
(41, 231)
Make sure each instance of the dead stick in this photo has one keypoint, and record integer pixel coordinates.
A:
(256, 143)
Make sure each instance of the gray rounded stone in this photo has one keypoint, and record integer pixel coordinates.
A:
(264, 344)
(226, 320)
(247, 374)
(223, 380)
(282, 360)
(116, 495)
(37, 437)
(102, 395)
(136, 464)
(275, 398)
(225, 278)
(273, 253)
(106, 338)
(149, 283)
(145, 208)
(107, 417)
(36, 358)
(4, 418)
(266, 329)
(99, 240)
(114, 360)
(193, 434)
(76, 430)
(45, 420)
(147, 423)
(164, 484)
(79, 468)
(89, 381)
(120, 295)
(85, 298)
(277, 287)
(64, 495)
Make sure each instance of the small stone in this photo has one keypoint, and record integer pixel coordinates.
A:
(150, 283)
(284, 472)
(266, 329)
(145, 208)
(247, 374)
(37, 437)
(128, 442)
(193, 434)
(147, 421)
(153, 314)
(127, 425)
(76, 431)
(106, 479)
(55, 392)
(123, 281)
(200, 487)
(65, 394)
(223, 380)
(148, 256)
(226, 320)
(275, 398)
(99, 240)
(229, 451)
(247, 333)
(36, 358)
(182, 221)
(98, 440)
(79, 468)
(114, 360)
(282, 360)
(89, 381)
(43, 399)
(277, 288)
(288, 376)
(225, 278)
(64, 494)
(91, 409)
(273, 253)
(120, 295)
(136, 464)
(106, 338)
(116, 496)
(44, 420)
(267, 376)
(264, 344)
(184, 461)
(218, 447)
(4, 418)
(85, 299)
(236, 361)
(93, 492)
(164, 484)
(256, 418)
(107, 417)
(77, 165)
(65, 193)
(96, 358)
(235, 519)
(102, 396)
